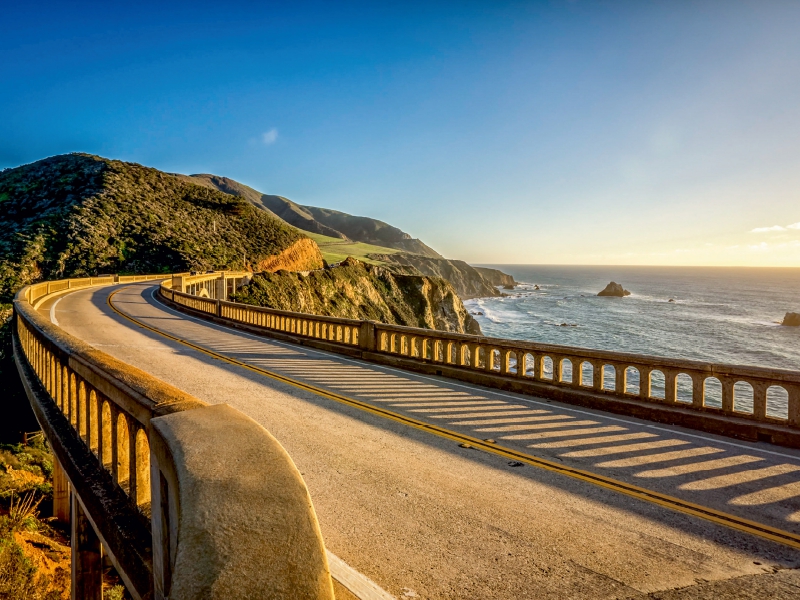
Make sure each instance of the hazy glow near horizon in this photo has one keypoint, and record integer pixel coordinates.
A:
(552, 132)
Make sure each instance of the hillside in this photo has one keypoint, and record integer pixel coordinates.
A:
(323, 221)
(360, 291)
(335, 250)
(76, 215)
(467, 280)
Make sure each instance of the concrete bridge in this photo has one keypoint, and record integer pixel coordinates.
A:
(439, 465)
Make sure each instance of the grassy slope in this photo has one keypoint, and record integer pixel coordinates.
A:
(77, 215)
(335, 250)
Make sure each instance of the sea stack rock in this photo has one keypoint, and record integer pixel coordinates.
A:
(791, 320)
(614, 289)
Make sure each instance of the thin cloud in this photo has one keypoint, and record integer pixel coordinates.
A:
(768, 229)
(793, 226)
(269, 137)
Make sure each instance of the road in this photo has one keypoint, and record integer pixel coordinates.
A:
(424, 517)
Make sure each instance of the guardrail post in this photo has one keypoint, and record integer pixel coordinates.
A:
(87, 564)
(366, 336)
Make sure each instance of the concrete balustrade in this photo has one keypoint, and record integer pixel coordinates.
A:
(150, 490)
(741, 401)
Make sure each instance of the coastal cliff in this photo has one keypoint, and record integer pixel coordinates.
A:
(467, 280)
(496, 276)
(357, 290)
(303, 255)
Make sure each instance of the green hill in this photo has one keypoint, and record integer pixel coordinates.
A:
(335, 250)
(322, 221)
(76, 215)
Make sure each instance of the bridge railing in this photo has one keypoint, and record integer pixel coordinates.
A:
(741, 391)
(605, 379)
(129, 446)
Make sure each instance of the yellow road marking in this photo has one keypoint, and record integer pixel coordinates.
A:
(715, 516)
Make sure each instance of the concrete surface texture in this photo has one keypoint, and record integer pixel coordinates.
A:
(423, 517)
(230, 520)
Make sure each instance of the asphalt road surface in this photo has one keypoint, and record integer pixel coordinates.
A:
(424, 517)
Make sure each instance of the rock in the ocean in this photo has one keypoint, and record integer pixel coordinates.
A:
(508, 287)
(671, 300)
(614, 289)
(791, 320)
(536, 287)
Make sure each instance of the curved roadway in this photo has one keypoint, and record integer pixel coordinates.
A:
(426, 518)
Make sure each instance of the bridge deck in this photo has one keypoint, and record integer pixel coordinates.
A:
(415, 511)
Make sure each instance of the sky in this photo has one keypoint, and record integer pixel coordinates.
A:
(557, 132)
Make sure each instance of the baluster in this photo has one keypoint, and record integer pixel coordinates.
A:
(488, 358)
(505, 361)
(620, 378)
(670, 387)
(645, 387)
(698, 389)
(557, 369)
(522, 363)
(577, 372)
(727, 383)
(598, 376)
(794, 405)
(759, 399)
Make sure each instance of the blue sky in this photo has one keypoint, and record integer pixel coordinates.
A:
(537, 132)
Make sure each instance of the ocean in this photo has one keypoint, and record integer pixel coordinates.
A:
(719, 314)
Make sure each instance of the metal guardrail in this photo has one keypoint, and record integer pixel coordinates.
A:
(127, 443)
(753, 394)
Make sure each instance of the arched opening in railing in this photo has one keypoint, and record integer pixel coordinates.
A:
(494, 359)
(587, 374)
(609, 377)
(566, 370)
(123, 453)
(83, 409)
(657, 384)
(632, 378)
(743, 397)
(93, 441)
(683, 387)
(105, 435)
(712, 393)
(142, 471)
(777, 402)
(523, 363)
(547, 368)
(66, 399)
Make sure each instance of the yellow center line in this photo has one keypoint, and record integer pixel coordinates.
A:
(715, 516)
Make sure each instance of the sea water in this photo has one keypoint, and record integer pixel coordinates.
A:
(718, 314)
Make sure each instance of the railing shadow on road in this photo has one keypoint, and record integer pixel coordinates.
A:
(700, 471)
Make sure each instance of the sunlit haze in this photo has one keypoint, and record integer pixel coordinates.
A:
(539, 132)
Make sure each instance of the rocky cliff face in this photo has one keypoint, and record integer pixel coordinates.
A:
(495, 276)
(467, 280)
(360, 291)
(303, 255)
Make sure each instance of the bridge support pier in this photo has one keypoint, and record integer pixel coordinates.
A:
(61, 506)
(87, 558)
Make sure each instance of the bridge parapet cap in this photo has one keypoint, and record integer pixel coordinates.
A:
(229, 520)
